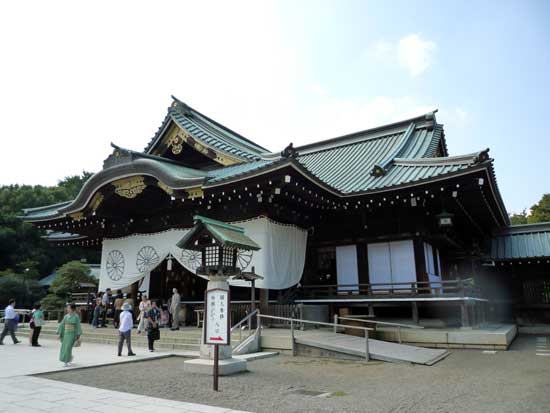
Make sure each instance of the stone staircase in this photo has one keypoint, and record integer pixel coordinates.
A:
(186, 339)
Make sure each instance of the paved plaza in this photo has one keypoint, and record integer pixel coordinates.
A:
(20, 392)
(475, 381)
(467, 380)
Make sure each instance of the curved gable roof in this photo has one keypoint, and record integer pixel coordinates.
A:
(207, 131)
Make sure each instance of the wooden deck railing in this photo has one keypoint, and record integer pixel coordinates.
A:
(450, 288)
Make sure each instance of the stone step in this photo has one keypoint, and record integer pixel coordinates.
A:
(160, 344)
(109, 333)
(174, 337)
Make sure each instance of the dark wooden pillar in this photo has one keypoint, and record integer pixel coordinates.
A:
(264, 300)
(134, 289)
(465, 316)
(362, 263)
(419, 260)
(253, 295)
(415, 312)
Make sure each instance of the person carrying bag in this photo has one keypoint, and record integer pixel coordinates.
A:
(153, 331)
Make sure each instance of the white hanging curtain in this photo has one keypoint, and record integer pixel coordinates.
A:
(280, 261)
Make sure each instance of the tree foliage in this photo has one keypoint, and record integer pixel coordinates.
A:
(519, 219)
(69, 278)
(25, 291)
(21, 243)
(540, 212)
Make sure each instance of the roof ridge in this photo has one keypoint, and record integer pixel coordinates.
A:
(59, 204)
(471, 158)
(519, 229)
(399, 126)
(198, 123)
(382, 167)
(223, 127)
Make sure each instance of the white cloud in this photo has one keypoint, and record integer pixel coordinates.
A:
(383, 48)
(415, 54)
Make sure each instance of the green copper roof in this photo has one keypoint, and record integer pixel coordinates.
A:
(522, 242)
(409, 152)
(45, 211)
(226, 234)
(234, 171)
(47, 281)
(209, 132)
(348, 167)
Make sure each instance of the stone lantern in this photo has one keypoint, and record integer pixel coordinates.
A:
(219, 244)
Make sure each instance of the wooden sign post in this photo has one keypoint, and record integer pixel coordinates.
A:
(217, 323)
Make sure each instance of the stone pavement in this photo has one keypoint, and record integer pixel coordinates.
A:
(22, 393)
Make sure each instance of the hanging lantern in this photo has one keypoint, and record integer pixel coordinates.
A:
(169, 263)
(445, 220)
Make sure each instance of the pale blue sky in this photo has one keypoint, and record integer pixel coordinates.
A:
(76, 76)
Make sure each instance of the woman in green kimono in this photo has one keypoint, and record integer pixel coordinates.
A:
(69, 332)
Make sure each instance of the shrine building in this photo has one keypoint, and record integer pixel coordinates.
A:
(382, 221)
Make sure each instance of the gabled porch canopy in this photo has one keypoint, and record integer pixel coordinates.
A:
(227, 235)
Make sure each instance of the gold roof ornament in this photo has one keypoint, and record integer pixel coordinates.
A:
(129, 187)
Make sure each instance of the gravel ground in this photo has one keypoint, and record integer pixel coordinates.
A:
(467, 380)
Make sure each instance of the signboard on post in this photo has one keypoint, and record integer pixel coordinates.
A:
(217, 323)
(217, 317)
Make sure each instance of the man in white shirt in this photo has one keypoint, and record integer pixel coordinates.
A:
(125, 329)
(10, 322)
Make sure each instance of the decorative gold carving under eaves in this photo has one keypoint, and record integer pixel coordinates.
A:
(195, 192)
(96, 201)
(129, 187)
(176, 142)
(165, 188)
(77, 216)
(176, 138)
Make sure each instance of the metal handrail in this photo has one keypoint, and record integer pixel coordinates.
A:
(248, 317)
(407, 283)
(313, 322)
(376, 322)
(398, 325)
(292, 320)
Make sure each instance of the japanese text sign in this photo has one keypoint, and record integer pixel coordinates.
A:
(216, 317)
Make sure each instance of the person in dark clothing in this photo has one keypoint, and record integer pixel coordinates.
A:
(119, 300)
(38, 321)
(97, 313)
(153, 332)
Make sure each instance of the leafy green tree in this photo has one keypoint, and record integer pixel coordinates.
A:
(26, 292)
(21, 243)
(519, 219)
(69, 278)
(540, 212)
(53, 302)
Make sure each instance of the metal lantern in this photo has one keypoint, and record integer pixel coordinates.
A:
(445, 220)
(219, 244)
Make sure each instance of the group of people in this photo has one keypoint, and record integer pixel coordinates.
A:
(149, 320)
(105, 304)
(11, 320)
